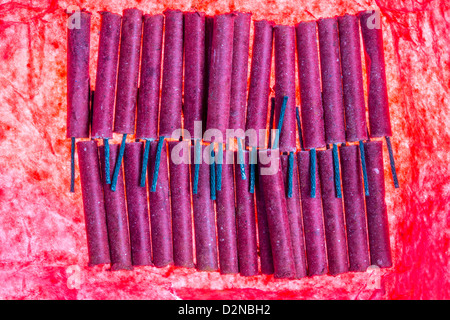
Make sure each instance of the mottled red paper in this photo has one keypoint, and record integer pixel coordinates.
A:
(43, 250)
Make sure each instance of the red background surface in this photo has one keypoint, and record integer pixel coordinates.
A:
(43, 253)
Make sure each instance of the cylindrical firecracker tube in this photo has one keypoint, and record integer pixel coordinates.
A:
(226, 222)
(78, 78)
(209, 26)
(312, 218)
(138, 218)
(239, 73)
(246, 222)
(93, 203)
(194, 69)
(285, 85)
(148, 99)
(172, 79)
(352, 81)
(204, 217)
(295, 218)
(333, 215)
(377, 220)
(258, 92)
(310, 90)
(219, 90)
(332, 94)
(277, 216)
(265, 248)
(160, 218)
(372, 34)
(128, 73)
(355, 215)
(180, 198)
(105, 84)
(116, 216)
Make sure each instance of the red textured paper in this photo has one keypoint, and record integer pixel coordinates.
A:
(43, 252)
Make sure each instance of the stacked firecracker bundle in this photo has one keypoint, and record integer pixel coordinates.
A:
(221, 176)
